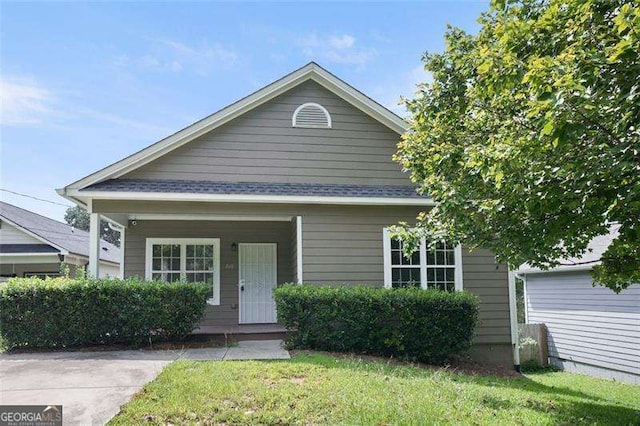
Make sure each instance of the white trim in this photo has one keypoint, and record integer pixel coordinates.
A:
(94, 245)
(299, 249)
(244, 198)
(311, 71)
(29, 254)
(386, 247)
(122, 248)
(235, 218)
(182, 242)
(423, 264)
(25, 258)
(459, 278)
(457, 256)
(513, 316)
(310, 126)
(524, 297)
(561, 268)
(33, 234)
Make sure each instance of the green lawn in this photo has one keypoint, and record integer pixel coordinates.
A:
(320, 389)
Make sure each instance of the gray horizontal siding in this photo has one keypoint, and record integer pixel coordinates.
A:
(586, 324)
(228, 232)
(341, 245)
(262, 145)
(12, 235)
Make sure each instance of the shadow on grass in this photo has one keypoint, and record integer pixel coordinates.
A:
(561, 404)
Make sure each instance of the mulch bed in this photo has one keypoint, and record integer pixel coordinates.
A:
(189, 343)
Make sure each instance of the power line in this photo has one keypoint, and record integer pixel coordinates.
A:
(35, 198)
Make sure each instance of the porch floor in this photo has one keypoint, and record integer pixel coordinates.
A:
(240, 329)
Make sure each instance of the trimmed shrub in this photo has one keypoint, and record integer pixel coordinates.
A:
(63, 312)
(428, 326)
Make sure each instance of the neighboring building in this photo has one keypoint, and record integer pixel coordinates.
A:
(591, 329)
(34, 245)
(293, 183)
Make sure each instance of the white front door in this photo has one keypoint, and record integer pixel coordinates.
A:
(257, 264)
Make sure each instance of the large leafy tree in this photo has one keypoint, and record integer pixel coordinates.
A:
(528, 136)
(79, 218)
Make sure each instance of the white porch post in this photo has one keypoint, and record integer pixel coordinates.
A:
(299, 249)
(94, 245)
(122, 242)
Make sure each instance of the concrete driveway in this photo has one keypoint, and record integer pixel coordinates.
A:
(91, 386)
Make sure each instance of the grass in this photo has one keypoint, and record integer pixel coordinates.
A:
(321, 389)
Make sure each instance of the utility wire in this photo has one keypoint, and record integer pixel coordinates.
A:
(34, 198)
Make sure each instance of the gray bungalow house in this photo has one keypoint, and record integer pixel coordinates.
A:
(34, 245)
(293, 183)
(590, 329)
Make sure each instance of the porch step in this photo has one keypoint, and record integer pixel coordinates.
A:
(240, 332)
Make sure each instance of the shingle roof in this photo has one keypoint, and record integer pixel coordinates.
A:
(60, 234)
(27, 248)
(595, 250)
(255, 188)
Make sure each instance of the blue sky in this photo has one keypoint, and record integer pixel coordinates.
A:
(86, 84)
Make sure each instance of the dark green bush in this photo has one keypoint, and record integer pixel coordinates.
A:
(63, 312)
(427, 326)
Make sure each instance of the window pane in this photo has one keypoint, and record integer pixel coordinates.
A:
(439, 275)
(431, 275)
(450, 273)
(450, 258)
(395, 274)
(415, 257)
(155, 264)
(395, 243)
(439, 257)
(157, 251)
(175, 264)
(208, 263)
(395, 257)
(190, 252)
(431, 258)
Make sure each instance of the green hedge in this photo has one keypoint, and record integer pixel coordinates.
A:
(63, 312)
(427, 326)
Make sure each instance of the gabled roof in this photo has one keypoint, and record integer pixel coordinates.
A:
(595, 250)
(62, 236)
(311, 71)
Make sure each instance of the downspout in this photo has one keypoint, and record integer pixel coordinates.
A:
(513, 315)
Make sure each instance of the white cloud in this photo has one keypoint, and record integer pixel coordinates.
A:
(344, 41)
(341, 49)
(174, 56)
(23, 101)
(403, 85)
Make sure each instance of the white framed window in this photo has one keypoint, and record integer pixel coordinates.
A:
(439, 268)
(311, 115)
(189, 259)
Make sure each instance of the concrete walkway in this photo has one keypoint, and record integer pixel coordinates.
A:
(91, 386)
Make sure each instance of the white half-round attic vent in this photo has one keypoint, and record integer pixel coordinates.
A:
(311, 115)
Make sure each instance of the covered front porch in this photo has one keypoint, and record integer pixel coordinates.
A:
(242, 257)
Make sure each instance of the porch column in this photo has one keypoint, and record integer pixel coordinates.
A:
(94, 245)
(299, 249)
(122, 237)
